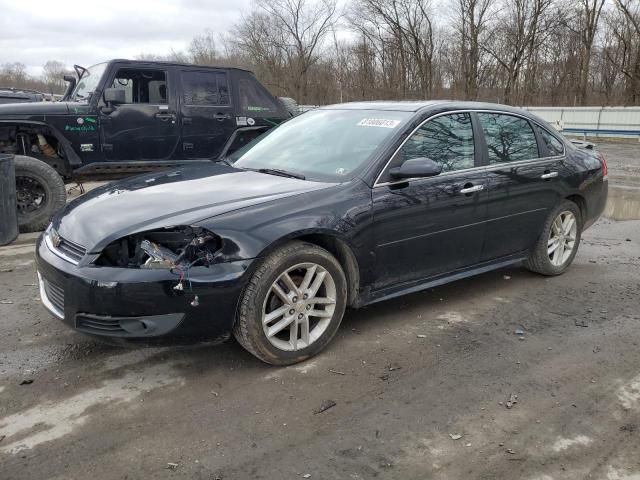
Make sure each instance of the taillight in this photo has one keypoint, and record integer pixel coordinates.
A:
(605, 170)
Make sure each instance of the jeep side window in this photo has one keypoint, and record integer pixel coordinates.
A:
(142, 86)
(205, 88)
(253, 100)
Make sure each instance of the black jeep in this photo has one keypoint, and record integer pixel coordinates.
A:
(123, 117)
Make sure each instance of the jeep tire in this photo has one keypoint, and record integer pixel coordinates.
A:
(40, 193)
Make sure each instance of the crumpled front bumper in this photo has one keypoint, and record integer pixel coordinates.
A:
(140, 305)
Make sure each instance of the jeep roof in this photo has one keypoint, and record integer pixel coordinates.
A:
(173, 64)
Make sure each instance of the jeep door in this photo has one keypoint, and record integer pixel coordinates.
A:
(145, 126)
(205, 112)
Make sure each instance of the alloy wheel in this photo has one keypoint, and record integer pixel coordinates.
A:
(562, 238)
(299, 306)
(30, 195)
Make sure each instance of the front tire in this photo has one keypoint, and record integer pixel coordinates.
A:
(558, 244)
(293, 304)
(40, 193)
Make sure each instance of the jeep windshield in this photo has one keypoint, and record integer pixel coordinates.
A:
(322, 145)
(88, 83)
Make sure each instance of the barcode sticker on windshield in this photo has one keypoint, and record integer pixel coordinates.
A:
(378, 122)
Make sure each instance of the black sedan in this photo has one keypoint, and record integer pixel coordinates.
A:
(343, 206)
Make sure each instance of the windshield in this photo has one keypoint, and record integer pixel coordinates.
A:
(88, 83)
(322, 145)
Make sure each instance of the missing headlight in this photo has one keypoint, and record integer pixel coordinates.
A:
(177, 248)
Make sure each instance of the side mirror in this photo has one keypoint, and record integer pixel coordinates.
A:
(114, 96)
(416, 168)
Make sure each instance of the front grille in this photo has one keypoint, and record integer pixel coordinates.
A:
(71, 250)
(54, 293)
(99, 325)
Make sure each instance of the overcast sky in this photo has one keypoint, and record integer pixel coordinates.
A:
(88, 32)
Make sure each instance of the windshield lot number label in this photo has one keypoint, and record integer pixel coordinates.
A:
(378, 122)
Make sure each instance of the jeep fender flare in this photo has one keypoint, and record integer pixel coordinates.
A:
(70, 155)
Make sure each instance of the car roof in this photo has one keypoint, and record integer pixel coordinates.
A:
(14, 89)
(17, 96)
(175, 64)
(420, 105)
(400, 106)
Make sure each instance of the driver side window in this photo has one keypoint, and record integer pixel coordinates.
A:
(123, 83)
(447, 140)
(142, 86)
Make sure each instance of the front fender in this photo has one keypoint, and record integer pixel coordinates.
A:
(346, 216)
(70, 154)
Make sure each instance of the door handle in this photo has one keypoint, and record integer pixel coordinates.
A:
(548, 175)
(472, 189)
(165, 116)
(221, 116)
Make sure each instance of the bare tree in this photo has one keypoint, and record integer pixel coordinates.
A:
(535, 52)
(53, 74)
(293, 32)
(203, 49)
(257, 40)
(627, 32)
(518, 33)
(172, 56)
(471, 19)
(587, 27)
(14, 74)
(401, 33)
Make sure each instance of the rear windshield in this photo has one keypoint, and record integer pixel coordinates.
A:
(323, 145)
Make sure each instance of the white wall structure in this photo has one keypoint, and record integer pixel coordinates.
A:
(620, 122)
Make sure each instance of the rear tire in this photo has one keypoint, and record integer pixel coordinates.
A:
(283, 323)
(40, 193)
(558, 243)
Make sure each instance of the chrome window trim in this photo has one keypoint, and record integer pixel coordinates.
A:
(56, 252)
(473, 169)
(488, 168)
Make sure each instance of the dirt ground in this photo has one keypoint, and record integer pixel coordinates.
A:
(421, 384)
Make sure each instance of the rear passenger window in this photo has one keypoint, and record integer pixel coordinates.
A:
(447, 140)
(509, 138)
(554, 146)
(205, 88)
(254, 101)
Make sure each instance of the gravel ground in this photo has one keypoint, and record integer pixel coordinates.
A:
(623, 160)
(421, 384)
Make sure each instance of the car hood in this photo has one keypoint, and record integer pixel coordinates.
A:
(41, 108)
(177, 197)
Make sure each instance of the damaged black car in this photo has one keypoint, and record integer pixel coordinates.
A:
(343, 206)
